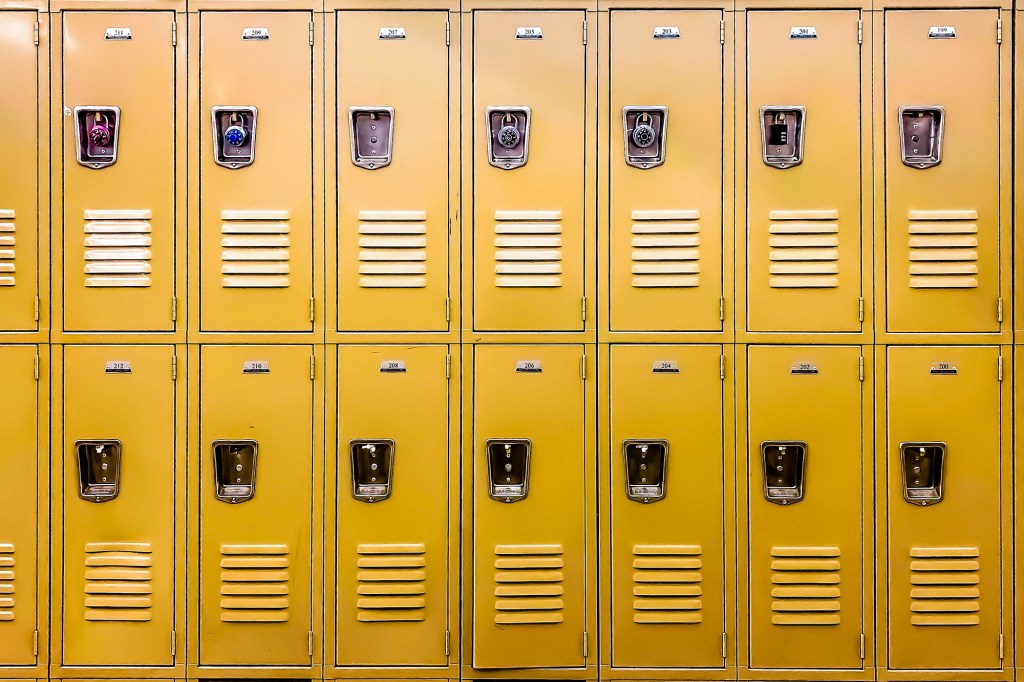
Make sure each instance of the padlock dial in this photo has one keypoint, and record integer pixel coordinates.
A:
(644, 130)
(508, 136)
(235, 136)
(96, 132)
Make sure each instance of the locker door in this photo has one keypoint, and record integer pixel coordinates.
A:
(119, 219)
(529, 508)
(256, 505)
(667, 581)
(393, 501)
(945, 600)
(393, 246)
(942, 221)
(19, 589)
(666, 224)
(804, 218)
(528, 219)
(119, 502)
(805, 507)
(257, 219)
(19, 177)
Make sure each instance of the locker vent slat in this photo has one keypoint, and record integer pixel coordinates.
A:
(6, 582)
(254, 583)
(118, 248)
(118, 581)
(528, 249)
(255, 249)
(803, 247)
(392, 583)
(528, 584)
(805, 585)
(7, 243)
(667, 584)
(944, 586)
(943, 249)
(393, 249)
(666, 249)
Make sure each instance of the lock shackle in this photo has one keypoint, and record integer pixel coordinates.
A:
(510, 119)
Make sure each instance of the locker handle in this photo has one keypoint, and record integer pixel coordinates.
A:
(646, 463)
(234, 469)
(922, 466)
(373, 464)
(784, 463)
(508, 468)
(99, 469)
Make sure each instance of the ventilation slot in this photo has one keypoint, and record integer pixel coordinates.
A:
(392, 249)
(255, 249)
(392, 583)
(6, 256)
(528, 586)
(944, 586)
(803, 249)
(118, 581)
(667, 584)
(943, 249)
(6, 582)
(528, 249)
(805, 585)
(118, 248)
(254, 583)
(666, 249)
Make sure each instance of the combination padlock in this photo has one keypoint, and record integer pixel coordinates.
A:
(644, 134)
(99, 134)
(508, 134)
(235, 135)
(778, 132)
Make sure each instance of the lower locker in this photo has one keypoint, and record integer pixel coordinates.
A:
(945, 484)
(805, 559)
(664, 482)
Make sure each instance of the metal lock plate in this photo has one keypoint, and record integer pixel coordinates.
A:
(234, 136)
(96, 133)
(782, 135)
(508, 136)
(508, 468)
(921, 135)
(373, 464)
(644, 130)
(921, 464)
(234, 469)
(784, 463)
(371, 131)
(99, 469)
(646, 462)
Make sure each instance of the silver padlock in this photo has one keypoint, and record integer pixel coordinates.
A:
(509, 135)
(644, 134)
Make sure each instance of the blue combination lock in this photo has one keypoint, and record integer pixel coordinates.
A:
(235, 136)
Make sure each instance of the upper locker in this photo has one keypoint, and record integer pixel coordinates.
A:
(395, 126)
(804, 235)
(666, 170)
(944, 184)
(530, 124)
(20, 174)
(115, 208)
(255, 137)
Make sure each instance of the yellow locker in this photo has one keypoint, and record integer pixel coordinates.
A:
(530, 128)
(19, 175)
(530, 467)
(20, 587)
(805, 485)
(804, 141)
(666, 181)
(394, 131)
(668, 507)
(118, 584)
(943, 184)
(947, 498)
(118, 224)
(393, 461)
(256, 505)
(256, 170)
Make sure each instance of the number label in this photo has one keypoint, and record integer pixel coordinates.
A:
(392, 366)
(529, 33)
(255, 34)
(118, 34)
(256, 367)
(942, 32)
(391, 33)
(804, 368)
(665, 367)
(803, 32)
(666, 32)
(118, 367)
(943, 368)
(529, 366)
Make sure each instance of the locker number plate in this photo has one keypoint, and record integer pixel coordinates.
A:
(943, 368)
(529, 33)
(529, 366)
(803, 32)
(255, 34)
(665, 367)
(804, 368)
(118, 367)
(118, 34)
(666, 31)
(942, 32)
(392, 365)
(391, 33)
(256, 367)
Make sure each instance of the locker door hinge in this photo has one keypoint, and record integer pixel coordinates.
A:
(586, 644)
(174, 644)
(584, 31)
(35, 33)
(583, 308)
(721, 309)
(1001, 653)
(860, 41)
(310, 644)
(312, 367)
(174, 308)
(312, 308)
(174, 34)
(35, 368)
(448, 309)
(583, 367)
(174, 368)
(861, 374)
(35, 309)
(999, 309)
(999, 370)
(725, 645)
(311, 24)
(448, 366)
(447, 642)
(721, 368)
(860, 309)
(862, 646)
(999, 31)
(721, 32)
(448, 33)
(35, 643)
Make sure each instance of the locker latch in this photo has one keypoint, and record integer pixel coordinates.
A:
(371, 130)
(782, 135)
(921, 135)
(234, 136)
(508, 468)
(99, 469)
(922, 472)
(646, 461)
(508, 136)
(96, 133)
(373, 462)
(644, 130)
(784, 463)
(234, 468)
